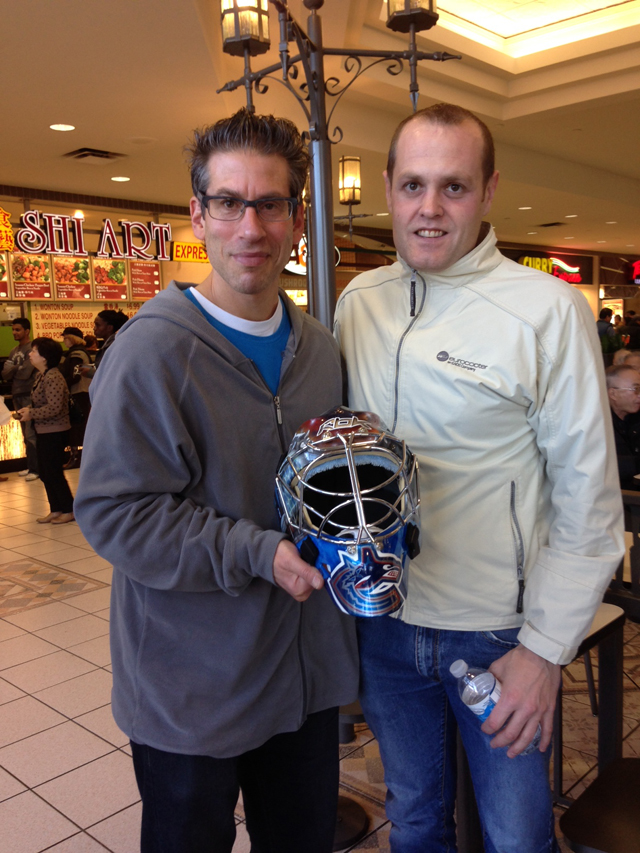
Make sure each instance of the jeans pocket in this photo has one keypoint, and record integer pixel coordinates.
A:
(507, 638)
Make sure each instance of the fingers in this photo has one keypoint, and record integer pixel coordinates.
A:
(291, 573)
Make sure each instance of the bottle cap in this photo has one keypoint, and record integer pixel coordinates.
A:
(458, 668)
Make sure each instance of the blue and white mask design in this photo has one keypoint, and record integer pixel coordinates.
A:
(347, 493)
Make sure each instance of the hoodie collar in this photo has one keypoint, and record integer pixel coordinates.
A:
(484, 258)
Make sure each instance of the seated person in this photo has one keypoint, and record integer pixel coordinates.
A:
(623, 387)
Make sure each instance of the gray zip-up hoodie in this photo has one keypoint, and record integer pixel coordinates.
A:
(177, 491)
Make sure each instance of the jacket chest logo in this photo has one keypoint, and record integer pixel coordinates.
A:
(460, 362)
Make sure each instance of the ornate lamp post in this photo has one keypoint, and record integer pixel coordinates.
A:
(246, 32)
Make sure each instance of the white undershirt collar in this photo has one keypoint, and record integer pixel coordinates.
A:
(259, 328)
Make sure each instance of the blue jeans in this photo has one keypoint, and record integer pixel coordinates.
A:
(411, 703)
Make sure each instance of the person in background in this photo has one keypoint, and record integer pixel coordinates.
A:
(49, 411)
(91, 343)
(610, 337)
(19, 370)
(623, 388)
(106, 326)
(75, 358)
(228, 664)
(521, 508)
(631, 359)
(617, 321)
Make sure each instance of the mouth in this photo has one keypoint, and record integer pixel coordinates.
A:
(251, 259)
(433, 232)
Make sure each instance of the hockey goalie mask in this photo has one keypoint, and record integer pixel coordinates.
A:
(347, 494)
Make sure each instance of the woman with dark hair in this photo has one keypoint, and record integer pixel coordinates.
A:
(75, 358)
(49, 410)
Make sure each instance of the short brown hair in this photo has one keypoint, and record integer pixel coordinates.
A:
(451, 115)
(245, 131)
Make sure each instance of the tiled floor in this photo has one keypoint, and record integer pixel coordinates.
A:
(66, 780)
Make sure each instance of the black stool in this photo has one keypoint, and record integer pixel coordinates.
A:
(606, 817)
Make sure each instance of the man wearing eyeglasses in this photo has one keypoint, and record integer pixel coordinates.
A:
(623, 388)
(228, 663)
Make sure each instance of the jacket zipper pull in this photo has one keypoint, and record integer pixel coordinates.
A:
(519, 607)
(276, 400)
(413, 294)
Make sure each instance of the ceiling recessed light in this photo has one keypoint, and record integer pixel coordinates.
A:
(571, 216)
(62, 127)
(524, 208)
(569, 238)
(121, 179)
(382, 214)
(532, 232)
(601, 241)
(611, 222)
(78, 214)
(630, 245)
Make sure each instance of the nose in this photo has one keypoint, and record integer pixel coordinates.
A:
(430, 203)
(251, 224)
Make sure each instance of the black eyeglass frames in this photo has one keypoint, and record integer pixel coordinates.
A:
(229, 208)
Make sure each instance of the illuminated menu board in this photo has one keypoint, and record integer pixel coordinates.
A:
(31, 276)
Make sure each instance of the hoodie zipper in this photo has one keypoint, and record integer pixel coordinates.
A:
(519, 548)
(414, 317)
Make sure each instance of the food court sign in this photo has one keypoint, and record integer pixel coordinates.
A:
(59, 234)
(574, 269)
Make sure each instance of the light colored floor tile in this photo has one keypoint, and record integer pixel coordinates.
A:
(66, 556)
(16, 516)
(29, 825)
(22, 649)
(243, 842)
(76, 538)
(104, 575)
(103, 614)
(44, 756)
(101, 722)
(93, 792)
(80, 843)
(9, 786)
(80, 695)
(7, 556)
(74, 631)
(120, 833)
(15, 539)
(96, 651)
(87, 565)
(25, 717)
(46, 530)
(8, 631)
(93, 601)
(42, 617)
(39, 549)
(8, 692)
(44, 672)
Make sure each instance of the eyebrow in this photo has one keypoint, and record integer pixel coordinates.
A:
(234, 194)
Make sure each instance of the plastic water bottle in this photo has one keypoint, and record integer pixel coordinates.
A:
(480, 691)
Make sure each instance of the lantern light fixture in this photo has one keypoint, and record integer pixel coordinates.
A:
(402, 14)
(245, 27)
(349, 183)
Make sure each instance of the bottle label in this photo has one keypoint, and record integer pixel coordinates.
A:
(485, 706)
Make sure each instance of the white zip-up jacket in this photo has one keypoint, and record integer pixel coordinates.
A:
(497, 385)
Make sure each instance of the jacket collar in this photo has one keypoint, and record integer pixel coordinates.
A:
(484, 258)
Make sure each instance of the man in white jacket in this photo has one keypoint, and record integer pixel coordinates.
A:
(492, 373)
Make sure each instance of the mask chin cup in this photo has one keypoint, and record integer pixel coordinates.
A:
(347, 494)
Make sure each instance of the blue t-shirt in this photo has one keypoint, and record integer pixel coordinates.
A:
(265, 352)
